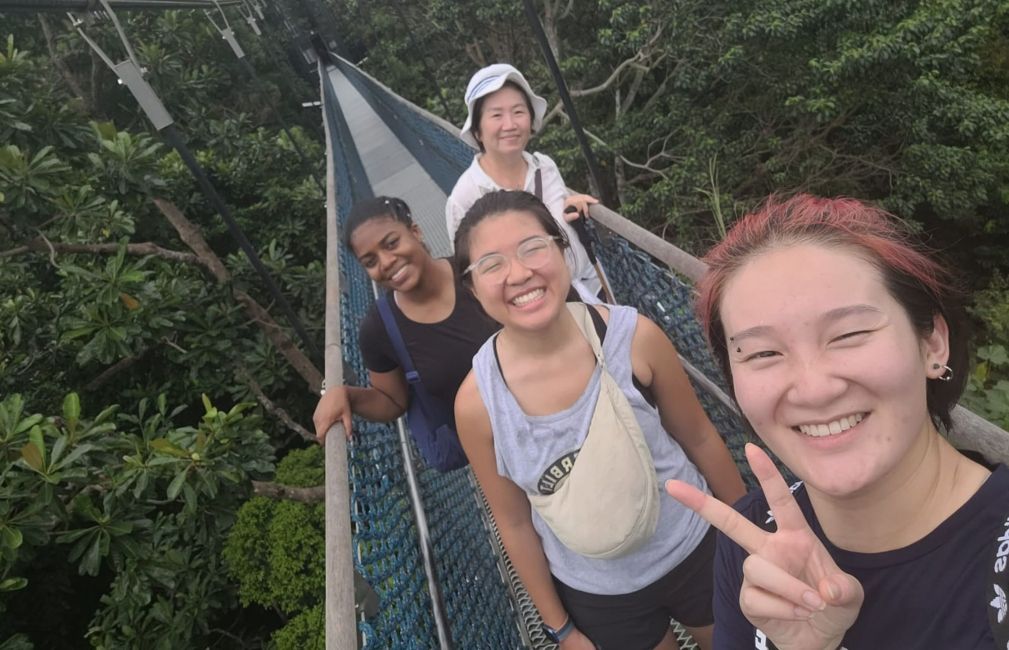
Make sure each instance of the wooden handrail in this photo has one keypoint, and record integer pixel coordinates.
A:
(675, 258)
(341, 619)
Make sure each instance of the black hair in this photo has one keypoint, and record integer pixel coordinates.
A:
(493, 204)
(380, 207)
(474, 127)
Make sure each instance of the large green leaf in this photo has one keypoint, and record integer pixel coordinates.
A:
(176, 485)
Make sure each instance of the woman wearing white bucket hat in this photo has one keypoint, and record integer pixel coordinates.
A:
(503, 113)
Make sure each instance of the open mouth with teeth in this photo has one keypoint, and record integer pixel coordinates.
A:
(831, 428)
(524, 299)
(398, 275)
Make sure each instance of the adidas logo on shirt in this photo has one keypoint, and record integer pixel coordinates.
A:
(999, 603)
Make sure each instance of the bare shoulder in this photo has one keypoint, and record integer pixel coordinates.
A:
(652, 353)
(470, 413)
(647, 333)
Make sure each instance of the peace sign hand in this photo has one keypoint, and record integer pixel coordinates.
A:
(792, 589)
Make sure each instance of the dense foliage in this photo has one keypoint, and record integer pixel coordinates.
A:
(143, 365)
(701, 108)
(275, 554)
(138, 351)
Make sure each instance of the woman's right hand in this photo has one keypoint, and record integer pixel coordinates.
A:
(333, 407)
(792, 589)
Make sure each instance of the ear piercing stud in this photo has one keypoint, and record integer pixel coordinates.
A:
(947, 374)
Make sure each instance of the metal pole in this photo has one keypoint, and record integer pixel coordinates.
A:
(569, 106)
(424, 535)
(306, 163)
(418, 51)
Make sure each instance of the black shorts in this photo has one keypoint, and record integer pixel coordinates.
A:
(639, 620)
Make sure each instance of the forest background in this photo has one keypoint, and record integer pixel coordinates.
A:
(147, 377)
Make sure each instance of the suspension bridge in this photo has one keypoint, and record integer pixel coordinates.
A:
(424, 540)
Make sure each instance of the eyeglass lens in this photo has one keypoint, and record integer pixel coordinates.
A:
(532, 253)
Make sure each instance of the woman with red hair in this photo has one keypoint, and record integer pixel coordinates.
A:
(843, 345)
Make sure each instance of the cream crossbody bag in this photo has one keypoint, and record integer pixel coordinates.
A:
(608, 505)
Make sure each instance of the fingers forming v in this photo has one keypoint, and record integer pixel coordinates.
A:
(783, 505)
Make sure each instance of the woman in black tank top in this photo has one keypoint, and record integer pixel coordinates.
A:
(442, 325)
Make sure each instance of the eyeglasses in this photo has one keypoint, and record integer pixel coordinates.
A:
(532, 254)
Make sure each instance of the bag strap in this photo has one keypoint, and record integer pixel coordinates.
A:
(580, 312)
(538, 184)
(412, 376)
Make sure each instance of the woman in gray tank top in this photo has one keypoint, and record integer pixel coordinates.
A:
(523, 414)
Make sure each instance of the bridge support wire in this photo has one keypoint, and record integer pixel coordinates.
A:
(423, 535)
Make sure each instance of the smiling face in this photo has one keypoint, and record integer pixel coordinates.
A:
(391, 252)
(505, 124)
(526, 298)
(827, 367)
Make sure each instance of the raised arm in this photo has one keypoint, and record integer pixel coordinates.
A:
(511, 510)
(385, 399)
(681, 413)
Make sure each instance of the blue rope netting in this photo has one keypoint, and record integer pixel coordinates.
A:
(385, 535)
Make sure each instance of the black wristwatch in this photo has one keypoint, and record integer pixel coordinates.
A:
(560, 634)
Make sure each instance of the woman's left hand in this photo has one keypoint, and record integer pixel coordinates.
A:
(581, 203)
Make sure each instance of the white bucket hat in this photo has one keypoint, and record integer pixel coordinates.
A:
(490, 79)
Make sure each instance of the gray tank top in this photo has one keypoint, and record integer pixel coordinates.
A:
(532, 452)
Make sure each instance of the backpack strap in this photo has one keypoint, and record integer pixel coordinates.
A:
(412, 376)
(538, 184)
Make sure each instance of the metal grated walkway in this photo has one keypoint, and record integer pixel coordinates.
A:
(390, 167)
